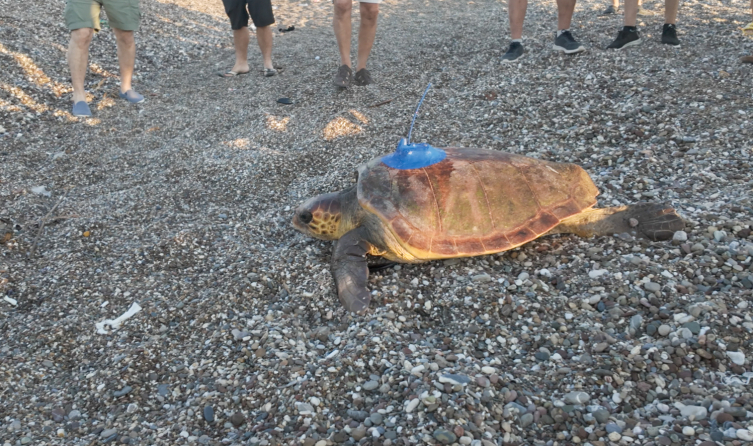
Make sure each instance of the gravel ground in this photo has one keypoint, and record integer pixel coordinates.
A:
(183, 205)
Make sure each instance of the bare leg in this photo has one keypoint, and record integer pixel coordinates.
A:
(367, 32)
(126, 57)
(616, 4)
(565, 9)
(631, 12)
(342, 26)
(516, 10)
(240, 42)
(670, 11)
(78, 59)
(264, 39)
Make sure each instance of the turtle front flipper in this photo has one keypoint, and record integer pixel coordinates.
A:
(351, 271)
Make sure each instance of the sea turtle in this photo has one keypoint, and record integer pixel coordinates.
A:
(473, 202)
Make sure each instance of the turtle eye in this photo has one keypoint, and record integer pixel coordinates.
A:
(305, 217)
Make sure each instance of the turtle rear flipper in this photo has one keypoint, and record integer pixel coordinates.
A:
(653, 221)
(351, 271)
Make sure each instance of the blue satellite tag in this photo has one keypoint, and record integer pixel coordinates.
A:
(413, 156)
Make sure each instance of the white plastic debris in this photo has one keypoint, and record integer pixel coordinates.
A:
(115, 324)
(41, 190)
(10, 300)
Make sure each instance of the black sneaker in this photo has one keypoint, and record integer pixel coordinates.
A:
(567, 44)
(669, 35)
(344, 76)
(363, 77)
(625, 38)
(610, 10)
(515, 52)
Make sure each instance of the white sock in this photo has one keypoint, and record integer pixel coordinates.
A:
(518, 40)
(559, 33)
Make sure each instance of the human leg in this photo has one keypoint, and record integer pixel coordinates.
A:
(366, 32)
(78, 60)
(516, 11)
(126, 57)
(565, 9)
(264, 39)
(82, 19)
(263, 17)
(342, 27)
(238, 16)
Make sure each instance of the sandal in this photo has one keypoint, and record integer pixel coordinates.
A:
(269, 72)
(231, 73)
(748, 30)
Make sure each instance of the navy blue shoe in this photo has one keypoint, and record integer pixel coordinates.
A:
(81, 110)
(131, 96)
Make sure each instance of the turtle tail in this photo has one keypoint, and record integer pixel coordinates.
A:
(653, 221)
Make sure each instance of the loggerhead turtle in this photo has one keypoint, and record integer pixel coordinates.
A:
(462, 202)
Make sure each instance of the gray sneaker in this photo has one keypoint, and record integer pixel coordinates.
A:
(515, 52)
(567, 44)
(344, 76)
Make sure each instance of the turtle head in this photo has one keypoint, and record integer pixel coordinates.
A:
(321, 217)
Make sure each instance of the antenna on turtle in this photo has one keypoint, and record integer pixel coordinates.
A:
(415, 114)
(414, 156)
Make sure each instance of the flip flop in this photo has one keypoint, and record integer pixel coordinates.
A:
(748, 30)
(231, 73)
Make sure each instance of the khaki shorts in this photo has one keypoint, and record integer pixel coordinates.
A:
(122, 14)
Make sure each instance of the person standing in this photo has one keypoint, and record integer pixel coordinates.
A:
(563, 39)
(366, 34)
(629, 36)
(261, 14)
(82, 19)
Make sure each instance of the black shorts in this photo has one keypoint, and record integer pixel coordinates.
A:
(259, 10)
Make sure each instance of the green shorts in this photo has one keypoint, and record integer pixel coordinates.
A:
(122, 14)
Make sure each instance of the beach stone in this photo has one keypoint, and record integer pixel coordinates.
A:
(577, 397)
(340, 437)
(688, 431)
(376, 418)
(208, 413)
(664, 330)
(358, 433)
(694, 327)
(613, 427)
(744, 434)
(58, 415)
(680, 236)
(124, 391)
(237, 419)
(108, 433)
(444, 436)
(652, 286)
(305, 408)
(541, 356)
(526, 420)
(454, 379)
(601, 416)
(370, 385)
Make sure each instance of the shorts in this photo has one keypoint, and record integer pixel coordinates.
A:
(121, 14)
(369, 1)
(259, 10)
